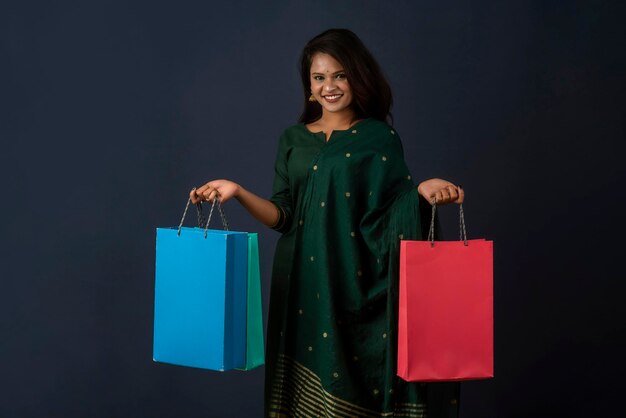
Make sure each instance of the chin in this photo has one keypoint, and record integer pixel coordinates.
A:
(337, 107)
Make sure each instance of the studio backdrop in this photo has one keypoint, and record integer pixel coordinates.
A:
(111, 111)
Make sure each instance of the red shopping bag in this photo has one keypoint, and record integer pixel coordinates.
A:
(445, 326)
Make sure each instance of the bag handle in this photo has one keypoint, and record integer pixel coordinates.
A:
(462, 230)
(201, 222)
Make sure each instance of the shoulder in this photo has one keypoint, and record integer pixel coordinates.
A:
(376, 125)
(292, 137)
(294, 130)
(291, 134)
(377, 128)
(380, 135)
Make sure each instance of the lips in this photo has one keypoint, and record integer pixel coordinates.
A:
(332, 98)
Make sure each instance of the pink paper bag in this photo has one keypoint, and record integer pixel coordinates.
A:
(445, 328)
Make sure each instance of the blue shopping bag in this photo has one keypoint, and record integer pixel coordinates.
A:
(200, 297)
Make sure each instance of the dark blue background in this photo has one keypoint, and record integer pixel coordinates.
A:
(111, 111)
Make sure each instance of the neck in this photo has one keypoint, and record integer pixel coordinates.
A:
(339, 120)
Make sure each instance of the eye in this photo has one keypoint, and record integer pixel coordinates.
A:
(341, 76)
(318, 78)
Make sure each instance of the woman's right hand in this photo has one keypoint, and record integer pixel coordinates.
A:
(262, 209)
(222, 189)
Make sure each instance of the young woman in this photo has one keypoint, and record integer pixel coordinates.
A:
(343, 199)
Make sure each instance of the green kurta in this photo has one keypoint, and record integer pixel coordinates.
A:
(332, 341)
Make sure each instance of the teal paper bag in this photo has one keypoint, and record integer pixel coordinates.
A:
(255, 354)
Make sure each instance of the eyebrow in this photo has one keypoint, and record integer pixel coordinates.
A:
(336, 72)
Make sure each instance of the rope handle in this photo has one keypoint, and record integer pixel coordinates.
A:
(201, 220)
(462, 230)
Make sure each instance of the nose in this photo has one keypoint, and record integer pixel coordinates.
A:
(329, 83)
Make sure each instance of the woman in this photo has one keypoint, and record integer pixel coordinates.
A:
(342, 199)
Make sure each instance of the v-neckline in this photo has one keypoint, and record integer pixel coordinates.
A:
(332, 134)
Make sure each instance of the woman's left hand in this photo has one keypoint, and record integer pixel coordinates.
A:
(441, 192)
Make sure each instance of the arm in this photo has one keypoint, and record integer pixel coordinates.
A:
(263, 210)
(275, 213)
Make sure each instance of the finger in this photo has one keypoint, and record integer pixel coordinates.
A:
(194, 196)
(200, 190)
(210, 195)
(452, 193)
(461, 197)
(444, 197)
(206, 194)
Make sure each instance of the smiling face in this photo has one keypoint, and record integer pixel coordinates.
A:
(329, 84)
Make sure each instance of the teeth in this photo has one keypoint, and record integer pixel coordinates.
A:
(336, 96)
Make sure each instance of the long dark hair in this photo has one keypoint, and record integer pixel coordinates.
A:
(370, 90)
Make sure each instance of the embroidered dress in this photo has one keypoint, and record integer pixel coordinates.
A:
(345, 204)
